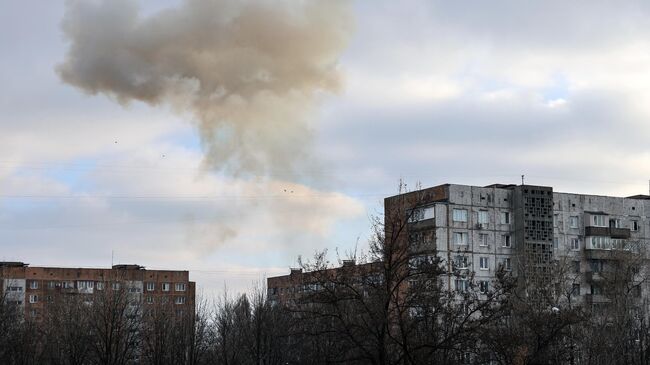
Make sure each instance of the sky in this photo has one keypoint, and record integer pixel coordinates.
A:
(333, 112)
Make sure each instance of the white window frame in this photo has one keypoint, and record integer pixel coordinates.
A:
(575, 244)
(33, 298)
(151, 286)
(573, 221)
(598, 221)
(166, 286)
(179, 300)
(33, 284)
(180, 287)
(600, 243)
(483, 286)
(460, 238)
(85, 284)
(483, 217)
(505, 217)
(459, 215)
(149, 299)
(484, 263)
(115, 286)
(461, 285)
(100, 285)
(507, 264)
(634, 226)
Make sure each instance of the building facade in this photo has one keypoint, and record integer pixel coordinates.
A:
(36, 288)
(531, 231)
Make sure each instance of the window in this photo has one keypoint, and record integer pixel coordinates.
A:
(505, 217)
(115, 286)
(635, 225)
(460, 238)
(575, 244)
(49, 299)
(33, 298)
(179, 300)
(15, 288)
(460, 215)
(598, 220)
(556, 220)
(483, 239)
(596, 290)
(556, 242)
(461, 262)
(484, 263)
(596, 265)
(149, 299)
(420, 214)
(33, 284)
(507, 265)
(134, 289)
(67, 284)
(180, 286)
(573, 222)
(575, 290)
(51, 284)
(85, 284)
(165, 286)
(462, 285)
(483, 217)
(151, 286)
(615, 223)
(600, 243)
(483, 286)
(100, 285)
(507, 240)
(576, 267)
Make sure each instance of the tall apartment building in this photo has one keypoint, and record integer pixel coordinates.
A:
(35, 288)
(528, 230)
(523, 228)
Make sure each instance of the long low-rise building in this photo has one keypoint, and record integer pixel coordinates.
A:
(35, 288)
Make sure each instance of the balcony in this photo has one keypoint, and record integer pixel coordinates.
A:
(591, 276)
(607, 232)
(607, 254)
(619, 232)
(596, 298)
(423, 224)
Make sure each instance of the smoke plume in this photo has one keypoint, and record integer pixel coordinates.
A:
(249, 72)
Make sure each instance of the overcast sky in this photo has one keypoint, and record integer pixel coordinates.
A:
(427, 91)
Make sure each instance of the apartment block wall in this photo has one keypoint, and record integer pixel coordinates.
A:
(484, 246)
(523, 229)
(35, 288)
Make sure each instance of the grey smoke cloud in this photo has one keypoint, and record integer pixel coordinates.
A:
(248, 72)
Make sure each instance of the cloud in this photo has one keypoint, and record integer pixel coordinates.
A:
(248, 72)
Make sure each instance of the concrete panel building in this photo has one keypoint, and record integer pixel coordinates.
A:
(526, 229)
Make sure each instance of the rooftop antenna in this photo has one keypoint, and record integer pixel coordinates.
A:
(522, 179)
(112, 256)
